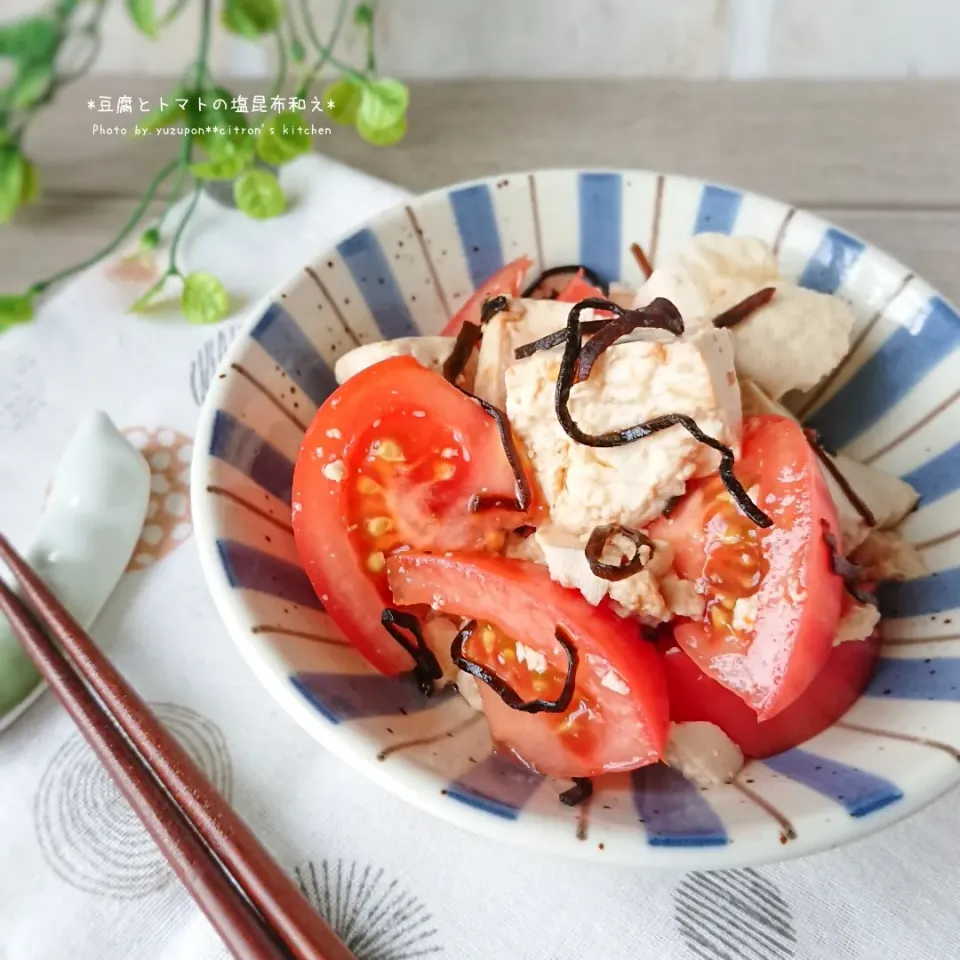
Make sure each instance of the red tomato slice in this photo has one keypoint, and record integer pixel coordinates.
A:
(695, 696)
(507, 281)
(391, 461)
(579, 289)
(773, 601)
(617, 719)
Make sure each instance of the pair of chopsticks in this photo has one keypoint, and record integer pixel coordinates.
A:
(257, 910)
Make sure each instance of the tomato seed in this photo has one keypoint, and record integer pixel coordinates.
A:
(368, 485)
(443, 471)
(390, 451)
(378, 526)
(376, 562)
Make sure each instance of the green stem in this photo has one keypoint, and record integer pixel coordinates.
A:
(281, 65)
(325, 53)
(172, 269)
(207, 16)
(125, 231)
(371, 48)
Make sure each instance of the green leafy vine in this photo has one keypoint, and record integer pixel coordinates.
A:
(218, 142)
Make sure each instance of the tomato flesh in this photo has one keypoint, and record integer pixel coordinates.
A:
(579, 289)
(391, 461)
(695, 696)
(773, 601)
(507, 281)
(617, 719)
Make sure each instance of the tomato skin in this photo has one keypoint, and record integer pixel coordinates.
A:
(619, 731)
(507, 281)
(695, 696)
(798, 600)
(400, 394)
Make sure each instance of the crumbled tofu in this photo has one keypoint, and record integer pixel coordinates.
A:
(334, 470)
(431, 352)
(744, 614)
(654, 592)
(521, 323)
(535, 660)
(439, 634)
(885, 555)
(792, 343)
(524, 548)
(703, 753)
(709, 275)
(858, 621)
(887, 497)
(631, 382)
(468, 689)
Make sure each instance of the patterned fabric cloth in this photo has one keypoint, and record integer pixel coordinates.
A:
(80, 879)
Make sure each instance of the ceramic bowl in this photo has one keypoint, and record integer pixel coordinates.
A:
(891, 403)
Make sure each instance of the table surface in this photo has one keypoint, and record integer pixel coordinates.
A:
(880, 159)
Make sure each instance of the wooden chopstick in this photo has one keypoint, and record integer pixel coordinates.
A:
(231, 915)
(283, 906)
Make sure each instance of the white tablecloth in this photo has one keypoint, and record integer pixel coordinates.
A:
(80, 880)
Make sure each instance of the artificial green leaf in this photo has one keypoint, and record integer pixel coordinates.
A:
(29, 183)
(345, 95)
(283, 138)
(11, 182)
(204, 299)
(175, 9)
(250, 18)
(147, 298)
(384, 137)
(363, 14)
(144, 14)
(15, 309)
(259, 195)
(225, 167)
(35, 38)
(31, 83)
(382, 104)
(297, 52)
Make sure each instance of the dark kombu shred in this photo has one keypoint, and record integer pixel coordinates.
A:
(521, 500)
(570, 270)
(740, 311)
(601, 536)
(426, 669)
(660, 314)
(842, 567)
(554, 339)
(580, 792)
(671, 506)
(491, 308)
(619, 438)
(503, 690)
(646, 268)
(468, 337)
(866, 514)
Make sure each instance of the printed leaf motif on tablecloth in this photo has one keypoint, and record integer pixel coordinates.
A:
(85, 828)
(733, 914)
(168, 521)
(374, 916)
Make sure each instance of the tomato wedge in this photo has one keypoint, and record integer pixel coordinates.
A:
(392, 460)
(507, 281)
(695, 696)
(579, 289)
(617, 718)
(773, 600)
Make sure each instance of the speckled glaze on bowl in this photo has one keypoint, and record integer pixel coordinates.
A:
(893, 403)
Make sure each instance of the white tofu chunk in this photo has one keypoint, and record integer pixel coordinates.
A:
(858, 621)
(438, 634)
(703, 753)
(713, 272)
(431, 352)
(521, 323)
(887, 497)
(468, 688)
(885, 555)
(792, 343)
(585, 487)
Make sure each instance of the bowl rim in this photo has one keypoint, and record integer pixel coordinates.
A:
(533, 831)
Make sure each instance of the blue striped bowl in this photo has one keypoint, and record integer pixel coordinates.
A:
(891, 403)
